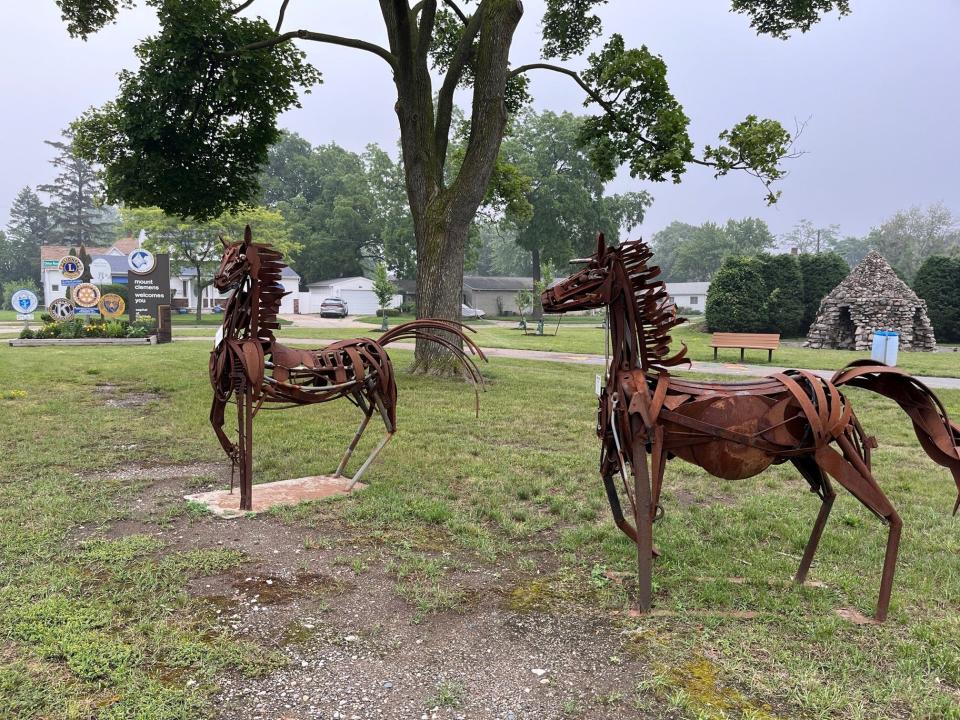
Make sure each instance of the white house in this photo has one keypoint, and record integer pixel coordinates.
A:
(357, 292)
(688, 295)
(184, 285)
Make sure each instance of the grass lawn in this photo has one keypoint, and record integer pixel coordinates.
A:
(590, 340)
(8, 316)
(98, 622)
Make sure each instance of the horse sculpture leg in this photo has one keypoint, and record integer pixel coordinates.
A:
(643, 517)
(852, 472)
(820, 484)
(367, 414)
(245, 445)
(378, 402)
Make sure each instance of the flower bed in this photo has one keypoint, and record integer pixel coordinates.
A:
(94, 327)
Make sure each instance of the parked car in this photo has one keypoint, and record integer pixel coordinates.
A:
(467, 312)
(334, 307)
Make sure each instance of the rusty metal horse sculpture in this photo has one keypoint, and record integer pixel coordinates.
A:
(732, 430)
(251, 369)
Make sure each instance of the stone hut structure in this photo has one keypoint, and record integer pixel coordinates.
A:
(871, 298)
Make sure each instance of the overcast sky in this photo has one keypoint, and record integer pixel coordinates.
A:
(880, 88)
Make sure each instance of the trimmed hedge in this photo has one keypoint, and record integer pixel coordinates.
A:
(737, 299)
(938, 282)
(821, 273)
(781, 275)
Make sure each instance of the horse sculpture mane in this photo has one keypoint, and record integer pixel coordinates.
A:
(653, 305)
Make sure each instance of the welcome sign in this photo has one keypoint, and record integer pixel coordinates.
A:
(147, 291)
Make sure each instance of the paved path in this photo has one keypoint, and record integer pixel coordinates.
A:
(709, 368)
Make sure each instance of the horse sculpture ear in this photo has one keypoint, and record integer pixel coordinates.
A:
(601, 246)
(247, 235)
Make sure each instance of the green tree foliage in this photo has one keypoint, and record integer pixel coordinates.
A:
(564, 203)
(27, 230)
(383, 289)
(784, 284)
(347, 211)
(851, 248)
(191, 127)
(821, 273)
(911, 236)
(938, 282)
(690, 253)
(197, 245)
(498, 252)
(666, 244)
(85, 258)
(76, 212)
(737, 298)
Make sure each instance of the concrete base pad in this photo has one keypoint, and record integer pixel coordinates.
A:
(283, 492)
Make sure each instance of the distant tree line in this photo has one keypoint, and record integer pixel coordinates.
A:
(687, 253)
(754, 291)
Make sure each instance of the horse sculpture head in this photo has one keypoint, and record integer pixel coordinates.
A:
(587, 289)
(235, 266)
(622, 278)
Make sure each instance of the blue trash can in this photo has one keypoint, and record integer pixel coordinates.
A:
(886, 343)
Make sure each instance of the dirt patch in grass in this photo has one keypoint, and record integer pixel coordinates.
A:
(685, 499)
(114, 396)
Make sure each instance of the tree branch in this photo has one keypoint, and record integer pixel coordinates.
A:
(428, 16)
(283, 11)
(450, 81)
(241, 7)
(318, 37)
(594, 95)
(625, 127)
(459, 13)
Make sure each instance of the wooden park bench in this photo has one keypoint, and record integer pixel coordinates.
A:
(752, 341)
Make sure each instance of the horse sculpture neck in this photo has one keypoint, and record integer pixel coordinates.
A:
(252, 310)
(638, 312)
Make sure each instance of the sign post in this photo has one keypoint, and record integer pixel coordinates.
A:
(148, 283)
(24, 302)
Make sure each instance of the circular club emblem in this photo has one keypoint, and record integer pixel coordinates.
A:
(112, 305)
(71, 267)
(61, 309)
(141, 261)
(86, 295)
(23, 301)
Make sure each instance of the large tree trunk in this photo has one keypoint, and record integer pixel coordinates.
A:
(442, 212)
(441, 247)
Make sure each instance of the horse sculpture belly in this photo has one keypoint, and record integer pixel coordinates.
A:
(743, 415)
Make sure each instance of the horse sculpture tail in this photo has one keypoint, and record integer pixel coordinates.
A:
(421, 330)
(938, 436)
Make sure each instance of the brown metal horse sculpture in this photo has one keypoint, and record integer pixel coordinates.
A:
(732, 430)
(251, 369)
